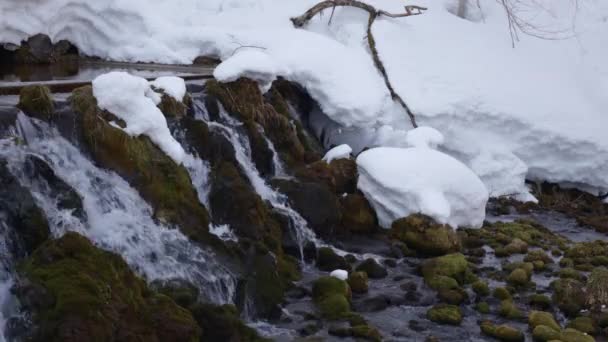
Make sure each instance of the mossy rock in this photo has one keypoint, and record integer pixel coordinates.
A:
(455, 296)
(331, 295)
(358, 282)
(536, 318)
(36, 101)
(499, 235)
(508, 309)
(366, 332)
(452, 265)
(161, 182)
(358, 216)
(424, 235)
(173, 108)
(544, 333)
(540, 301)
(481, 288)
(482, 307)
(572, 335)
(516, 246)
(538, 255)
(440, 282)
(93, 294)
(373, 269)
(518, 277)
(501, 293)
(597, 289)
(445, 314)
(328, 260)
(583, 324)
(502, 332)
(569, 296)
(222, 323)
(571, 273)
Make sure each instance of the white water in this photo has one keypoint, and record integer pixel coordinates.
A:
(6, 278)
(119, 220)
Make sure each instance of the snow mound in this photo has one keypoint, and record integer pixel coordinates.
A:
(340, 274)
(338, 152)
(172, 86)
(424, 137)
(399, 182)
(132, 99)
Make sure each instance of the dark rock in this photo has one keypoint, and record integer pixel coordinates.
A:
(222, 323)
(358, 282)
(36, 101)
(328, 260)
(372, 304)
(358, 216)
(373, 269)
(423, 234)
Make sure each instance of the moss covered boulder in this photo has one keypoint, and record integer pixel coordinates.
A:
(481, 288)
(424, 235)
(90, 293)
(519, 277)
(502, 332)
(536, 318)
(222, 323)
(454, 266)
(358, 282)
(583, 324)
(36, 101)
(172, 108)
(544, 333)
(569, 296)
(328, 260)
(597, 289)
(358, 216)
(161, 182)
(509, 309)
(332, 297)
(445, 314)
(373, 269)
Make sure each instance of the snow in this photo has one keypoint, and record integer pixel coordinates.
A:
(172, 86)
(340, 274)
(399, 182)
(338, 152)
(537, 111)
(131, 99)
(424, 137)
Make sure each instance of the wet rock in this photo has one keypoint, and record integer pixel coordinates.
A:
(423, 234)
(502, 332)
(222, 323)
(373, 269)
(501, 293)
(328, 260)
(373, 304)
(358, 282)
(481, 288)
(82, 279)
(454, 296)
(331, 295)
(540, 301)
(452, 265)
(366, 332)
(261, 154)
(569, 296)
(509, 309)
(36, 101)
(66, 196)
(583, 324)
(21, 212)
(445, 314)
(545, 333)
(357, 215)
(536, 318)
(518, 277)
(315, 202)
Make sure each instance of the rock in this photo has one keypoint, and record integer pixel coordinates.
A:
(597, 285)
(502, 332)
(545, 333)
(483, 307)
(344, 172)
(519, 277)
(508, 309)
(571, 335)
(38, 49)
(36, 101)
(423, 234)
(541, 301)
(372, 304)
(440, 282)
(502, 293)
(331, 295)
(82, 279)
(452, 265)
(19, 208)
(583, 324)
(538, 255)
(173, 108)
(445, 314)
(328, 260)
(481, 288)
(358, 216)
(536, 318)
(315, 202)
(222, 323)
(568, 295)
(455, 296)
(261, 154)
(366, 332)
(373, 269)
(358, 282)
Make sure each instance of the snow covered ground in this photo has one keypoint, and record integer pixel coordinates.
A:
(538, 110)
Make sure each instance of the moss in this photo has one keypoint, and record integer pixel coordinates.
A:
(503, 332)
(482, 307)
(540, 301)
(334, 306)
(358, 282)
(328, 260)
(160, 181)
(519, 277)
(572, 335)
(93, 293)
(544, 333)
(597, 289)
(499, 235)
(36, 101)
(481, 288)
(583, 324)
(445, 314)
(501, 293)
(454, 296)
(538, 255)
(357, 215)
(366, 332)
(536, 318)
(571, 273)
(568, 295)
(326, 286)
(173, 108)
(373, 269)
(508, 309)
(222, 323)
(423, 234)
(439, 282)
(451, 265)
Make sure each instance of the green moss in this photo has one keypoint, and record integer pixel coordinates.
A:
(358, 282)
(439, 282)
(540, 301)
(501, 293)
(544, 333)
(334, 306)
(357, 214)
(160, 181)
(445, 314)
(536, 318)
(568, 295)
(572, 335)
(519, 277)
(508, 309)
(597, 289)
(36, 101)
(583, 324)
(222, 323)
(570, 273)
(423, 234)
(481, 288)
(482, 307)
(538, 255)
(451, 265)
(331, 295)
(92, 293)
(503, 332)
(366, 332)
(173, 108)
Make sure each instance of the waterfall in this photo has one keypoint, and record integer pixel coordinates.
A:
(7, 302)
(118, 219)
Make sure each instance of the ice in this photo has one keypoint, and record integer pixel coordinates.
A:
(399, 182)
(338, 152)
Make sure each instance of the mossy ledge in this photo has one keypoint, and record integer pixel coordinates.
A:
(77, 292)
(160, 181)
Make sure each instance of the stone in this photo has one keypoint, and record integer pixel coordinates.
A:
(373, 269)
(36, 101)
(518, 277)
(328, 260)
(536, 318)
(358, 217)
(502, 332)
(445, 314)
(424, 235)
(358, 282)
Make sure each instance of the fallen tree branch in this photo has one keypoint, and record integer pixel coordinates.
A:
(373, 14)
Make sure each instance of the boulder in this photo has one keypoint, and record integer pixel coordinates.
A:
(373, 269)
(358, 282)
(423, 234)
(331, 295)
(502, 332)
(445, 314)
(358, 216)
(36, 101)
(328, 260)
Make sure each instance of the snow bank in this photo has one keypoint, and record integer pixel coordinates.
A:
(424, 137)
(132, 99)
(172, 86)
(338, 152)
(536, 111)
(399, 182)
(340, 274)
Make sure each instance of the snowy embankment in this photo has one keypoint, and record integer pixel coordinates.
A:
(536, 111)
